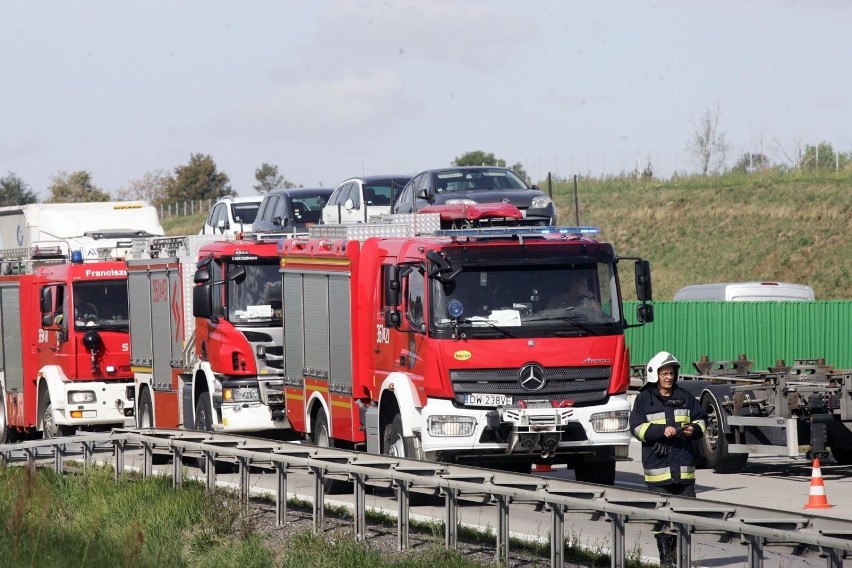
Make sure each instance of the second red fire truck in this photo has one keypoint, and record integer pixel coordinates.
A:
(205, 327)
(444, 345)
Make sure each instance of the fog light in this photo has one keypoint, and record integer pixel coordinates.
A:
(451, 426)
(81, 397)
(608, 422)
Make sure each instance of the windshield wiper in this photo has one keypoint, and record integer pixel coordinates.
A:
(488, 323)
(572, 319)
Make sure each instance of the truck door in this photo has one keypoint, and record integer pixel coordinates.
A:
(53, 345)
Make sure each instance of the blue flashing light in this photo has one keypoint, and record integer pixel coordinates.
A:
(587, 231)
(76, 256)
(455, 308)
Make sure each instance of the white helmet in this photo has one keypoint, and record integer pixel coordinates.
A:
(660, 360)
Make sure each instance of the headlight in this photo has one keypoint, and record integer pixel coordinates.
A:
(459, 202)
(451, 426)
(240, 394)
(608, 422)
(540, 202)
(81, 397)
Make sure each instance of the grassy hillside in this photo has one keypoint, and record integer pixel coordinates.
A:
(773, 226)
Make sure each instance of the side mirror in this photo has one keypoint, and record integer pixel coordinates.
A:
(349, 205)
(202, 301)
(424, 194)
(643, 281)
(46, 300)
(221, 225)
(645, 313)
(393, 319)
(202, 275)
(237, 274)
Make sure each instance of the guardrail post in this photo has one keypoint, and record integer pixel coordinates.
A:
(210, 470)
(245, 484)
(755, 551)
(147, 459)
(502, 529)
(281, 494)
(360, 507)
(451, 519)
(402, 520)
(177, 467)
(118, 452)
(618, 522)
(833, 557)
(557, 535)
(684, 545)
(31, 457)
(89, 454)
(319, 499)
(58, 461)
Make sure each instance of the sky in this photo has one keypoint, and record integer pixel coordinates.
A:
(327, 90)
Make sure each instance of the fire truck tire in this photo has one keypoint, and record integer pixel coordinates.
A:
(394, 443)
(715, 446)
(602, 473)
(50, 429)
(145, 414)
(321, 438)
(204, 423)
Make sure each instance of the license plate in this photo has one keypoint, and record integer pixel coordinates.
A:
(479, 399)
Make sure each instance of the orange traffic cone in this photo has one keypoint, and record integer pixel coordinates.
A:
(817, 498)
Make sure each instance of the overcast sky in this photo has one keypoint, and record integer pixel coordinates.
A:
(328, 90)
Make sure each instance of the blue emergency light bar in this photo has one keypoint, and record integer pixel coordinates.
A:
(496, 232)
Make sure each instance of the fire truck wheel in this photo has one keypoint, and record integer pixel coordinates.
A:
(715, 446)
(145, 414)
(320, 437)
(395, 444)
(602, 473)
(50, 428)
(204, 423)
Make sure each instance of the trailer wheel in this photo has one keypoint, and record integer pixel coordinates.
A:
(50, 429)
(602, 473)
(842, 456)
(321, 438)
(715, 446)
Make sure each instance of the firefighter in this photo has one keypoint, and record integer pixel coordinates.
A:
(667, 419)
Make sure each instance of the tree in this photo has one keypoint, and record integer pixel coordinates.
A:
(199, 179)
(708, 144)
(76, 187)
(822, 157)
(14, 191)
(751, 162)
(518, 168)
(478, 158)
(153, 187)
(268, 178)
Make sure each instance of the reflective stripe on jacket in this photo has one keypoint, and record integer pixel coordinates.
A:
(648, 420)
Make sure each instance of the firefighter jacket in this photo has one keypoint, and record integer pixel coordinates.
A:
(667, 460)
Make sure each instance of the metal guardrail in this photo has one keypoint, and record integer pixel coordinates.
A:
(758, 527)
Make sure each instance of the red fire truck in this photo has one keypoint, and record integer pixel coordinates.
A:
(64, 343)
(205, 324)
(403, 339)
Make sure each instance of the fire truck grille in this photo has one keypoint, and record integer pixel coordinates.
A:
(582, 385)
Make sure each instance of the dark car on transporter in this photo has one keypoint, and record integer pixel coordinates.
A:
(293, 209)
(474, 186)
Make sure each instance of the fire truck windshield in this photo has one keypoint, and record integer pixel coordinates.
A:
(256, 298)
(101, 305)
(534, 299)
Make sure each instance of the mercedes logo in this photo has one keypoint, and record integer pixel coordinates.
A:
(531, 377)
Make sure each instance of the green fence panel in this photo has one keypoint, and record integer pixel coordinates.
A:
(764, 331)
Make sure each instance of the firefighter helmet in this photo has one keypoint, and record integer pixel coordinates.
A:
(660, 360)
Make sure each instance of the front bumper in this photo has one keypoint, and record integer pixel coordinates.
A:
(112, 405)
(546, 432)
